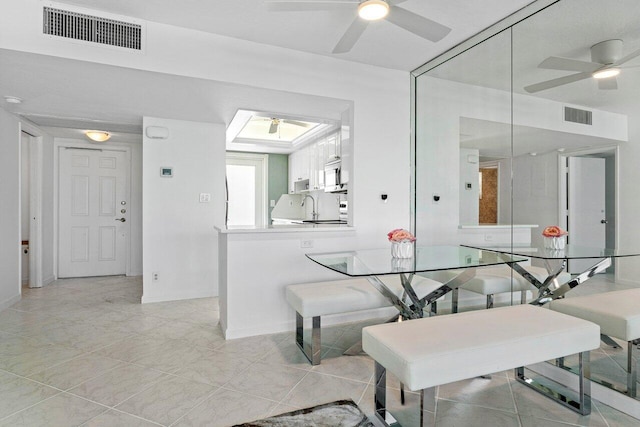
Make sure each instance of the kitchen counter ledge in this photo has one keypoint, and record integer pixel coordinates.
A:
(286, 228)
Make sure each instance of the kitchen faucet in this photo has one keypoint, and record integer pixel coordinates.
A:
(314, 214)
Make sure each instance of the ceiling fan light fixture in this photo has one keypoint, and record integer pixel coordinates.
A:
(606, 73)
(373, 10)
(98, 135)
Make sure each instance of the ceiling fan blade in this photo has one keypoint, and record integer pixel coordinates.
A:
(418, 25)
(351, 36)
(273, 128)
(556, 82)
(297, 123)
(628, 57)
(307, 5)
(566, 64)
(608, 84)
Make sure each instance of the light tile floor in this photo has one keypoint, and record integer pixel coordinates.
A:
(86, 352)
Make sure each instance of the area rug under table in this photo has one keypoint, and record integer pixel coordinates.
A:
(341, 413)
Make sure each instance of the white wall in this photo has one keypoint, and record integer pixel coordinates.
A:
(535, 192)
(179, 240)
(469, 201)
(628, 231)
(10, 277)
(48, 230)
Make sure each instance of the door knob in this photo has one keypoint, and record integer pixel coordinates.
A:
(121, 219)
(604, 221)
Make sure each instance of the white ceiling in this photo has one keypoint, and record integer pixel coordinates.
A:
(382, 44)
(66, 96)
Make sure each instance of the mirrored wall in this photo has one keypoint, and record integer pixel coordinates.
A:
(514, 132)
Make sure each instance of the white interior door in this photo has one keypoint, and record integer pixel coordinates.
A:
(93, 210)
(586, 207)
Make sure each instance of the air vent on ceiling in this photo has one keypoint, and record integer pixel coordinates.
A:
(577, 116)
(78, 26)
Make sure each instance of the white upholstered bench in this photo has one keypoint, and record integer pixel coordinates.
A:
(314, 300)
(425, 353)
(617, 313)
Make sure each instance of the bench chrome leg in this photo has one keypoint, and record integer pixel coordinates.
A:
(609, 341)
(454, 300)
(523, 297)
(312, 350)
(631, 369)
(433, 308)
(380, 392)
(489, 301)
(583, 403)
(427, 400)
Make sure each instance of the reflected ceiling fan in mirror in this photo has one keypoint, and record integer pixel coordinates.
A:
(368, 10)
(606, 59)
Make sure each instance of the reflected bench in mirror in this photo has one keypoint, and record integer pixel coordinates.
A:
(618, 314)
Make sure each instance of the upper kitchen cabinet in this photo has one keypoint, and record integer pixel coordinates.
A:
(299, 170)
(306, 165)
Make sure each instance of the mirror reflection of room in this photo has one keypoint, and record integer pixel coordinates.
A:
(523, 131)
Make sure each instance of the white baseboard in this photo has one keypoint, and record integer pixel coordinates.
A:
(175, 297)
(290, 325)
(9, 302)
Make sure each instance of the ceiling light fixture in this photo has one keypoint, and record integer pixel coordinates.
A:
(98, 135)
(606, 73)
(372, 10)
(12, 99)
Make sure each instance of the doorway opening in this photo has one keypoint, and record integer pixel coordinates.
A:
(31, 209)
(588, 201)
(246, 198)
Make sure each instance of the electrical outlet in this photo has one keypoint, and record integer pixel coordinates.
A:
(155, 276)
(306, 243)
(488, 237)
(205, 197)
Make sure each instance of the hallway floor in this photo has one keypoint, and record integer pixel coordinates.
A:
(85, 352)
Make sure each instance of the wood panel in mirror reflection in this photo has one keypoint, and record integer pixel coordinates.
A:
(488, 196)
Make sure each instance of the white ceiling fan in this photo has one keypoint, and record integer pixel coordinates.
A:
(368, 10)
(275, 124)
(606, 59)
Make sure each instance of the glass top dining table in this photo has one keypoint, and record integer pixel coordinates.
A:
(367, 262)
(372, 263)
(555, 261)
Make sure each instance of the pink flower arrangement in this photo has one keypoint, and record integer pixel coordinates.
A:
(400, 234)
(553, 231)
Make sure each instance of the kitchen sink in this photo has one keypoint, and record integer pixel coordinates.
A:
(325, 221)
(318, 221)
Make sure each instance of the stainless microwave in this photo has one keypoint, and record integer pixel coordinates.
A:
(333, 177)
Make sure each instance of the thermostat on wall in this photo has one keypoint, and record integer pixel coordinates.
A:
(166, 171)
